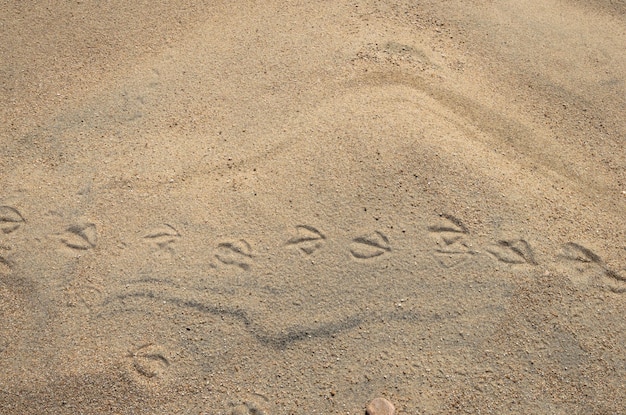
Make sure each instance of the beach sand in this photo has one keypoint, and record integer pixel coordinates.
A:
(297, 207)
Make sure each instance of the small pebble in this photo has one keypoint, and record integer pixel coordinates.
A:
(380, 406)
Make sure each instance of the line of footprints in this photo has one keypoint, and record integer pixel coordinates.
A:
(308, 240)
(451, 237)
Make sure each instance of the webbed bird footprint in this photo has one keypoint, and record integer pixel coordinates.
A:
(449, 234)
(163, 236)
(575, 252)
(448, 223)
(10, 219)
(585, 258)
(149, 361)
(370, 246)
(238, 253)
(80, 237)
(5, 266)
(308, 239)
(516, 251)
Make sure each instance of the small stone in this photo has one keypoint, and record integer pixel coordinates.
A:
(380, 406)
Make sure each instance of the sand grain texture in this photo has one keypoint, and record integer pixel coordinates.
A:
(295, 207)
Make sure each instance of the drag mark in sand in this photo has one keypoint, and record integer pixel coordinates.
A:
(143, 302)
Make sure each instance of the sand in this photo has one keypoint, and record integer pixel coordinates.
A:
(298, 207)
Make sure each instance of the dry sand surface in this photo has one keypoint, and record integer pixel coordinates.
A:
(263, 207)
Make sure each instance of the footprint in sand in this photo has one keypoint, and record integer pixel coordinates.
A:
(450, 235)
(255, 406)
(10, 219)
(162, 237)
(370, 246)
(6, 266)
(149, 361)
(80, 237)
(237, 253)
(512, 251)
(308, 239)
(584, 265)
